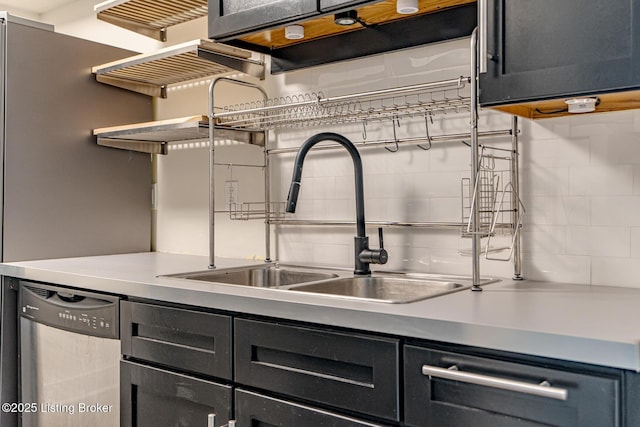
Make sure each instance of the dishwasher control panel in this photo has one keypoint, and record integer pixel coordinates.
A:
(72, 310)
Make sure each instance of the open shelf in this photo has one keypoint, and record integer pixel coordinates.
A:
(150, 17)
(156, 137)
(151, 73)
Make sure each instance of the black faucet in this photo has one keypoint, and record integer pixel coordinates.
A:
(363, 255)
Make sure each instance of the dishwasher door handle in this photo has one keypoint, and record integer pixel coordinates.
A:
(543, 389)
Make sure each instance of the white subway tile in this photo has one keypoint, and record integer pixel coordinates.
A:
(616, 148)
(601, 180)
(636, 180)
(551, 239)
(544, 129)
(602, 123)
(449, 261)
(409, 210)
(609, 271)
(556, 152)
(445, 209)
(376, 209)
(598, 241)
(438, 184)
(542, 181)
(635, 242)
(450, 156)
(334, 254)
(433, 238)
(615, 211)
(557, 268)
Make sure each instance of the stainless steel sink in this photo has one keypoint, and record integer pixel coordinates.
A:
(382, 288)
(386, 287)
(263, 276)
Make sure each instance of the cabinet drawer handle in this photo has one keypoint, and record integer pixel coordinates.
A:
(543, 389)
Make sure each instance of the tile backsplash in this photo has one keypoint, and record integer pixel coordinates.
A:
(580, 184)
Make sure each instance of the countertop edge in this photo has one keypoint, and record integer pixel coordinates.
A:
(623, 354)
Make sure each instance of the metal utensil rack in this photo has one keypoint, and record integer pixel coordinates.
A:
(314, 110)
(496, 200)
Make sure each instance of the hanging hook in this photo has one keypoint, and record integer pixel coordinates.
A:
(395, 135)
(364, 130)
(427, 117)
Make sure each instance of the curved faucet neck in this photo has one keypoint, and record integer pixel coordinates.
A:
(357, 169)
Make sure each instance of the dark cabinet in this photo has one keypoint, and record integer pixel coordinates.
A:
(253, 409)
(549, 49)
(186, 340)
(358, 373)
(154, 397)
(261, 26)
(486, 392)
(291, 375)
(327, 5)
(233, 17)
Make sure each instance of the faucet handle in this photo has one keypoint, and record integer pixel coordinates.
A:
(374, 256)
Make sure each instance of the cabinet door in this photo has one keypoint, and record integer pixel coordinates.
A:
(186, 340)
(155, 397)
(548, 49)
(591, 400)
(236, 17)
(253, 410)
(353, 372)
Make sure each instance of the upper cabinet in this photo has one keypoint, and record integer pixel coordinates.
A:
(374, 27)
(334, 4)
(541, 53)
(232, 17)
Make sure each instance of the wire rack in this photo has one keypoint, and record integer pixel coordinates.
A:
(314, 109)
(500, 209)
(256, 210)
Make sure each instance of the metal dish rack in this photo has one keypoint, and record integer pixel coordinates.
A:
(256, 210)
(421, 100)
(495, 199)
(314, 109)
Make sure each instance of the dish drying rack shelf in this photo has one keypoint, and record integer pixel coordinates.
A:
(151, 73)
(150, 18)
(314, 109)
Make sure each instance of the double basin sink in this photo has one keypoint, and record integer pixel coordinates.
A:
(381, 287)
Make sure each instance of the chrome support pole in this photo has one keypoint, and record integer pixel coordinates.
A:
(515, 204)
(212, 157)
(482, 35)
(267, 201)
(475, 237)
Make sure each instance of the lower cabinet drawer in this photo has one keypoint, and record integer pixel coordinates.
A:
(358, 373)
(253, 409)
(448, 389)
(186, 340)
(154, 397)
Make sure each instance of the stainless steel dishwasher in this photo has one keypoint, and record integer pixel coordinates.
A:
(69, 357)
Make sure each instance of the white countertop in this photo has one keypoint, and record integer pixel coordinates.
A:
(590, 324)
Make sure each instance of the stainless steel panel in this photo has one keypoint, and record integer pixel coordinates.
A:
(64, 195)
(73, 379)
